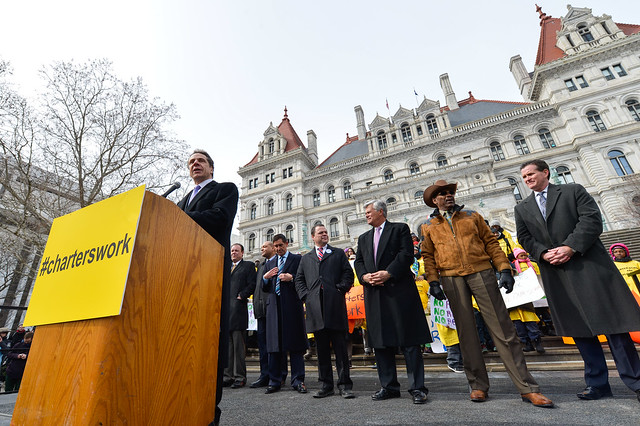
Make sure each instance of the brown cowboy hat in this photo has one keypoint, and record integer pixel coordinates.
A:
(438, 186)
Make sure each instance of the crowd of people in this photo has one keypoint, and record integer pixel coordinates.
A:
(14, 350)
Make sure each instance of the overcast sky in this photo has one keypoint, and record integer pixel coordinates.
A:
(231, 66)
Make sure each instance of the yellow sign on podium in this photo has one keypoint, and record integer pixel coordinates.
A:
(85, 265)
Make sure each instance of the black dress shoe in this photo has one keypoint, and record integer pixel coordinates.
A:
(419, 397)
(238, 384)
(301, 388)
(383, 394)
(323, 393)
(227, 383)
(272, 389)
(592, 393)
(259, 383)
(347, 393)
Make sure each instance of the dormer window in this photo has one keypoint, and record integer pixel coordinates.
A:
(584, 32)
(382, 140)
(432, 125)
(406, 133)
(272, 146)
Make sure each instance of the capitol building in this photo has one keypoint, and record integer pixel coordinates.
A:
(580, 112)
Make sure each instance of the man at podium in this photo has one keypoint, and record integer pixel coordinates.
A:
(213, 206)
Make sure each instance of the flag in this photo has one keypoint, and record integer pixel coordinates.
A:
(414, 92)
(387, 102)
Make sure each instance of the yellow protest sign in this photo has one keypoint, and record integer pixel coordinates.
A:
(84, 268)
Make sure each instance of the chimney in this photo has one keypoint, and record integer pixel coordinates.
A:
(449, 95)
(312, 146)
(520, 73)
(362, 129)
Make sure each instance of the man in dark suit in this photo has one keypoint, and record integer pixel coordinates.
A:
(213, 206)
(285, 318)
(242, 282)
(560, 226)
(395, 317)
(323, 278)
(260, 312)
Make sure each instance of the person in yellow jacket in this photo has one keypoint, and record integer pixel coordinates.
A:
(628, 267)
(524, 316)
(507, 244)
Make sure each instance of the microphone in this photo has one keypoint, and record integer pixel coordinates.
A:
(174, 186)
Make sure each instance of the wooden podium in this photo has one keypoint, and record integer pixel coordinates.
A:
(155, 363)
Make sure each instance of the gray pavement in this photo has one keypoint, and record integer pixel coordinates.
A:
(448, 403)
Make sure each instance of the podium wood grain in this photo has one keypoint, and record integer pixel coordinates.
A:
(155, 363)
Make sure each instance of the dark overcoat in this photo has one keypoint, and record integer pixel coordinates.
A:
(587, 295)
(259, 295)
(285, 314)
(334, 275)
(394, 311)
(242, 281)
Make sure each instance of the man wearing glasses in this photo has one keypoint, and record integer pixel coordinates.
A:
(460, 252)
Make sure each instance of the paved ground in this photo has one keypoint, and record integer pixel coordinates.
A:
(448, 403)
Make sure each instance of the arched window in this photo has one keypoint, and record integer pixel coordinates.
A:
(442, 161)
(333, 228)
(331, 194)
(414, 169)
(316, 198)
(620, 163)
(418, 195)
(419, 130)
(516, 190)
(346, 190)
(288, 202)
(546, 138)
(288, 232)
(270, 204)
(251, 242)
(388, 175)
(270, 234)
(391, 201)
(634, 108)
(584, 32)
(564, 174)
(382, 140)
(521, 145)
(496, 151)
(596, 122)
(432, 125)
(252, 211)
(272, 146)
(406, 133)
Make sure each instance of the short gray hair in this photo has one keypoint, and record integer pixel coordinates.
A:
(378, 205)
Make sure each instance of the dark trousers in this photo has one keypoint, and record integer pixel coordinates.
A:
(236, 365)
(326, 338)
(278, 368)
(261, 334)
(387, 373)
(624, 354)
(528, 329)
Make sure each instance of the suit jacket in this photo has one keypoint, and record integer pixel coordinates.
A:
(335, 277)
(394, 312)
(259, 295)
(242, 280)
(285, 314)
(587, 295)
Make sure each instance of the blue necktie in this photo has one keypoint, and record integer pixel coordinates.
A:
(280, 266)
(543, 205)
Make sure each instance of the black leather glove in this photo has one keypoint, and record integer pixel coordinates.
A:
(436, 291)
(506, 280)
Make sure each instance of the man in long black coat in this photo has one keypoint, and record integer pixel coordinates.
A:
(395, 317)
(260, 312)
(560, 225)
(285, 318)
(241, 286)
(213, 206)
(323, 278)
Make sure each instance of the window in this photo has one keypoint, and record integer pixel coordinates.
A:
(619, 70)
(394, 138)
(270, 204)
(432, 125)
(288, 232)
(521, 145)
(496, 151)
(584, 32)
(251, 242)
(546, 138)
(596, 122)
(570, 85)
(414, 169)
(255, 183)
(333, 228)
(570, 41)
(516, 191)
(620, 163)
(288, 202)
(272, 146)
(607, 73)
(582, 82)
(564, 174)
(418, 195)
(331, 194)
(406, 133)
(270, 177)
(382, 140)
(346, 190)
(287, 172)
(634, 108)
(419, 130)
(442, 161)
(391, 201)
(605, 28)
(270, 234)
(316, 198)
(388, 175)
(252, 212)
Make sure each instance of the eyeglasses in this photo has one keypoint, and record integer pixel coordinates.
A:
(445, 193)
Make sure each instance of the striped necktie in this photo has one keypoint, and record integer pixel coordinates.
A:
(320, 254)
(280, 266)
(543, 204)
